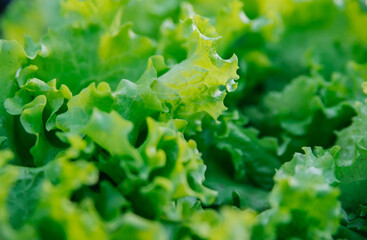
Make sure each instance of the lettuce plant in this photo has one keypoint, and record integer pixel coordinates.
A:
(183, 119)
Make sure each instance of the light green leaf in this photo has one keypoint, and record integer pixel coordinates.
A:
(197, 85)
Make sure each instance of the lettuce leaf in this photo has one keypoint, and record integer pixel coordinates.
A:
(134, 119)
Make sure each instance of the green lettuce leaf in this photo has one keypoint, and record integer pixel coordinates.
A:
(107, 56)
(351, 162)
(309, 109)
(164, 168)
(201, 80)
(35, 101)
(300, 208)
